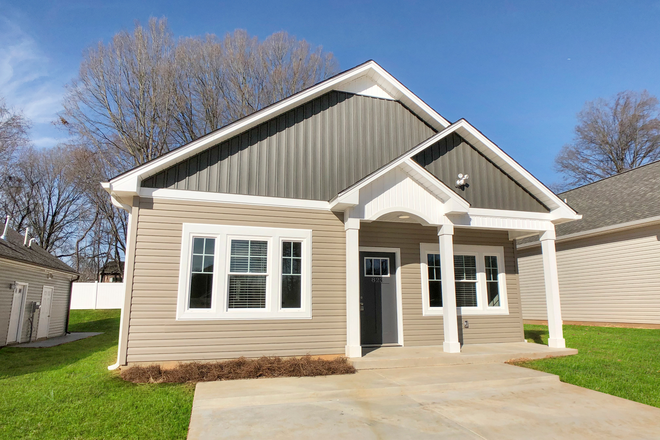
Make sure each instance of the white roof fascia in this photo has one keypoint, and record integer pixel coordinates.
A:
(454, 204)
(600, 231)
(560, 211)
(349, 194)
(130, 181)
(397, 90)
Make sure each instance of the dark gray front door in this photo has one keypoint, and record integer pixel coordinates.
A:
(378, 310)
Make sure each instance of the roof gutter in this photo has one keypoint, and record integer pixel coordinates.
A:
(598, 231)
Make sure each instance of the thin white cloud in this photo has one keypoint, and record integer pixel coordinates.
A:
(27, 81)
(48, 141)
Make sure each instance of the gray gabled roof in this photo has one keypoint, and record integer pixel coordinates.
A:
(12, 248)
(626, 197)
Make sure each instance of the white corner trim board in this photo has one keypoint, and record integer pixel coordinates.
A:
(480, 252)
(222, 236)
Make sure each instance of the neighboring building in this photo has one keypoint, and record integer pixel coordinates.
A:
(34, 291)
(112, 272)
(608, 262)
(326, 222)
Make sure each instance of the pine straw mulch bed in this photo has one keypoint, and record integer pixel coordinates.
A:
(241, 368)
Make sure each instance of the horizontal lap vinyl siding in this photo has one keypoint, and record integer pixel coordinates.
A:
(610, 278)
(419, 330)
(156, 336)
(36, 278)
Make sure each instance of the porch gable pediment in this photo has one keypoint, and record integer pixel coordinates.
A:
(405, 188)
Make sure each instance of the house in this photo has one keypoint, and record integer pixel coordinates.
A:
(34, 290)
(111, 272)
(329, 221)
(608, 262)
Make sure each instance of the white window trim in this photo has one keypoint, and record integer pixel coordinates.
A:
(389, 267)
(223, 234)
(482, 291)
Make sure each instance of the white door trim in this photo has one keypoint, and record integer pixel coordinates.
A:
(399, 292)
(45, 314)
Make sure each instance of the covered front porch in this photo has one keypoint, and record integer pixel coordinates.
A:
(406, 215)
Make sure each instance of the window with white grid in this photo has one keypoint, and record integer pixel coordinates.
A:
(480, 281)
(248, 273)
(244, 272)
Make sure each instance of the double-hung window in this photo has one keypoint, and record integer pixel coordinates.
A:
(480, 283)
(240, 272)
(248, 273)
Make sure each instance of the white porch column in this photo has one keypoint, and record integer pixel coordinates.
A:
(550, 274)
(450, 321)
(352, 227)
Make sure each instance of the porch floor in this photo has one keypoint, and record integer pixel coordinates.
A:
(401, 357)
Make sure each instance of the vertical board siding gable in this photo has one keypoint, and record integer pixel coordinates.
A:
(488, 186)
(311, 152)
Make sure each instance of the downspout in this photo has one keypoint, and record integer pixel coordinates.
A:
(68, 305)
(125, 310)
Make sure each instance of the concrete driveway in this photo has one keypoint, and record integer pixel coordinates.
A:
(478, 401)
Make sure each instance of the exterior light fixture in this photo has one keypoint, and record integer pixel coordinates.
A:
(404, 216)
(462, 180)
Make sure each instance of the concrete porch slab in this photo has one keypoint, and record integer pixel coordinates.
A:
(472, 401)
(405, 357)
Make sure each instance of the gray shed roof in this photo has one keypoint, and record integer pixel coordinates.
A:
(626, 197)
(11, 248)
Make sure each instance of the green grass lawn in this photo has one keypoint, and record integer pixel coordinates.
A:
(624, 362)
(67, 392)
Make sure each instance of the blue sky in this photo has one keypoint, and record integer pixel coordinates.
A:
(518, 70)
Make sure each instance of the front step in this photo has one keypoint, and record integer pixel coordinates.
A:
(405, 357)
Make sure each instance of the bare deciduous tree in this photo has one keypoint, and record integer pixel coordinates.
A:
(40, 192)
(612, 136)
(122, 97)
(103, 239)
(13, 130)
(144, 93)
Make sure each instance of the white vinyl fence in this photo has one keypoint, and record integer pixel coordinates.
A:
(97, 295)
